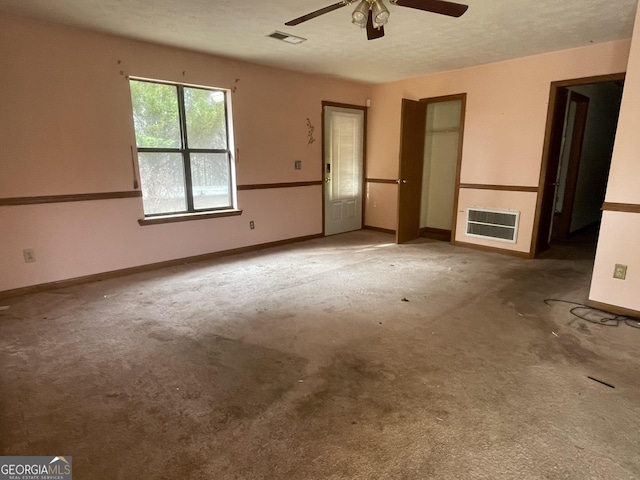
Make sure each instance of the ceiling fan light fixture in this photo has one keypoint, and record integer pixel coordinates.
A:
(373, 14)
(360, 14)
(380, 13)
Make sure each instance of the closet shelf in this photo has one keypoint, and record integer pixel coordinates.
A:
(443, 131)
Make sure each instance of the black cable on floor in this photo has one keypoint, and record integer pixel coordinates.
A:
(597, 316)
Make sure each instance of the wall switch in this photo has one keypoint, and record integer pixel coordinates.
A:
(620, 271)
(29, 255)
(252, 225)
(298, 164)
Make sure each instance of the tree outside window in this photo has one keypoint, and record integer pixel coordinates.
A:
(184, 157)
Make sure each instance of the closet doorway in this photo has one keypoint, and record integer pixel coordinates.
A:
(441, 167)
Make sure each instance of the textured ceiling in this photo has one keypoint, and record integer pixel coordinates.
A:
(415, 43)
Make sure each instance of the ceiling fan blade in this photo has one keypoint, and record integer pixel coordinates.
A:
(317, 13)
(372, 31)
(436, 6)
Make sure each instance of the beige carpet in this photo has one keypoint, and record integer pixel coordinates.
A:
(346, 357)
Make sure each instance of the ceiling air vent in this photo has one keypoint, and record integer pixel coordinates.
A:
(285, 37)
(499, 225)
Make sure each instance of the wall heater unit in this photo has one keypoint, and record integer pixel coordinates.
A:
(491, 224)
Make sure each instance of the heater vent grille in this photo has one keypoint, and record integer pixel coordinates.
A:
(494, 224)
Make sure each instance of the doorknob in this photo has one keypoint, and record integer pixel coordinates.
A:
(404, 181)
(327, 180)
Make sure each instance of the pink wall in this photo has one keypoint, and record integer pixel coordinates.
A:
(617, 244)
(504, 127)
(620, 231)
(383, 214)
(66, 128)
(624, 176)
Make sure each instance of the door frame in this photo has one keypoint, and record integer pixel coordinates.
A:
(550, 150)
(326, 103)
(463, 108)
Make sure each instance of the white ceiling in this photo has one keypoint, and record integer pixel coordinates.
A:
(415, 43)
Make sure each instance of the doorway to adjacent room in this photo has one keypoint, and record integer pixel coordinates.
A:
(429, 174)
(581, 127)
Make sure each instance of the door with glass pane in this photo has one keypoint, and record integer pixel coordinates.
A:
(343, 168)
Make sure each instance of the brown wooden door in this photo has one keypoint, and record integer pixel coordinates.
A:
(412, 131)
(560, 98)
(576, 125)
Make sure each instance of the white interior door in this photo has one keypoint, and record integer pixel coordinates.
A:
(343, 169)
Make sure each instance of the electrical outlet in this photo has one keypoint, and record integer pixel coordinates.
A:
(252, 225)
(297, 165)
(620, 271)
(29, 255)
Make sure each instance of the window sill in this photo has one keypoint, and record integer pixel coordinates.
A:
(186, 217)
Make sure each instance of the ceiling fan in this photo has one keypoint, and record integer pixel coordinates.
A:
(374, 14)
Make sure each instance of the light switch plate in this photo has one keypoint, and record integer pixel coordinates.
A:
(29, 255)
(297, 165)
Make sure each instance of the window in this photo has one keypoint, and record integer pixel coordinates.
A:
(184, 153)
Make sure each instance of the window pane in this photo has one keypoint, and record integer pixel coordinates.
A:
(210, 178)
(206, 121)
(162, 178)
(346, 149)
(155, 115)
